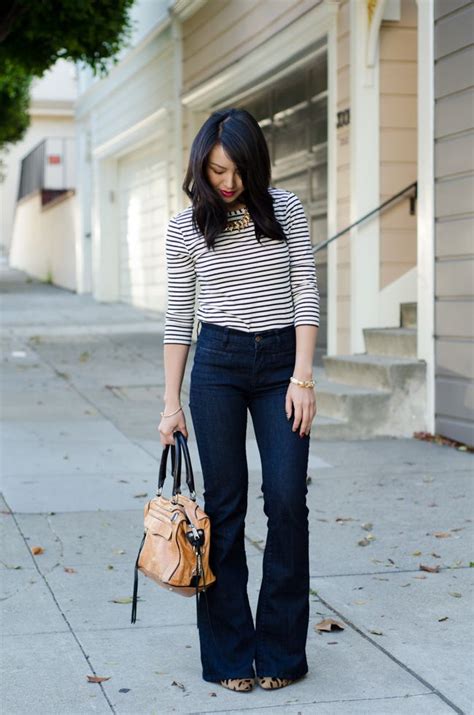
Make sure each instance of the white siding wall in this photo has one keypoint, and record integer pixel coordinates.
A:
(130, 117)
(454, 191)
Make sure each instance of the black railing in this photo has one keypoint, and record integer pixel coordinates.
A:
(411, 187)
(49, 166)
(32, 171)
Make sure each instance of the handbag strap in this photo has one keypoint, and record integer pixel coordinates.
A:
(178, 451)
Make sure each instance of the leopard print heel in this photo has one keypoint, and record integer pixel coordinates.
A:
(241, 685)
(269, 683)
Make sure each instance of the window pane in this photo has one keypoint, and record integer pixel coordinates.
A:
(289, 92)
(318, 76)
(319, 183)
(298, 183)
(319, 122)
(291, 135)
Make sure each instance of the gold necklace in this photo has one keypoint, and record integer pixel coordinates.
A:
(239, 223)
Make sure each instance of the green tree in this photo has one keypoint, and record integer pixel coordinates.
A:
(34, 34)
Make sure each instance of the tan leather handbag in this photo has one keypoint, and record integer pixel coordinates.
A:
(174, 550)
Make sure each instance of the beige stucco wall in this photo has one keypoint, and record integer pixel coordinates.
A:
(42, 125)
(43, 243)
(343, 180)
(398, 140)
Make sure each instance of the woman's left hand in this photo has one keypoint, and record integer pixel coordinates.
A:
(303, 401)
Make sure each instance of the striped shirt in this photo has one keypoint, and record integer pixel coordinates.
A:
(243, 284)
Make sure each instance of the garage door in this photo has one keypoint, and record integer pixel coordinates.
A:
(292, 112)
(143, 212)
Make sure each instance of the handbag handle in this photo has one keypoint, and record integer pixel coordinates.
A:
(178, 451)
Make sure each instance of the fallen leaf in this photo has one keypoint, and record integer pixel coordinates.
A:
(69, 569)
(139, 496)
(328, 624)
(416, 553)
(359, 602)
(37, 550)
(455, 594)
(124, 690)
(442, 534)
(97, 678)
(404, 585)
(343, 519)
(444, 618)
(127, 599)
(179, 685)
(367, 526)
(332, 643)
(460, 528)
(83, 357)
(363, 542)
(430, 569)
(375, 632)
(419, 577)
(436, 556)
(213, 695)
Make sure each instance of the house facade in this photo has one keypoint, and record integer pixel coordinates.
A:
(37, 232)
(367, 109)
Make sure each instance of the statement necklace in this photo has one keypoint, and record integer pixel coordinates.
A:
(237, 224)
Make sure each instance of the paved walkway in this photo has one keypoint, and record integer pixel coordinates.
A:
(82, 387)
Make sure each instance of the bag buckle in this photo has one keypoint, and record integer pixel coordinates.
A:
(195, 536)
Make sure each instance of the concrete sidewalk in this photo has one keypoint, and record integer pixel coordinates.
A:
(82, 387)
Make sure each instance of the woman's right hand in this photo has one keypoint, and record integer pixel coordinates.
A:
(169, 425)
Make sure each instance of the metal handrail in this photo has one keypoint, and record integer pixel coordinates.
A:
(393, 198)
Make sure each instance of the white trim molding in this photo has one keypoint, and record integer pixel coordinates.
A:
(139, 133)
(332, 187)
(184, 9)
(364, 180)
(425, 205)
(247, 71)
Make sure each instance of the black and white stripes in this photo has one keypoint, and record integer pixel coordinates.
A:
(243, 284)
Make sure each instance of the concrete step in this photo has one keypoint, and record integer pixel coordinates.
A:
(382, 372)
(326, 428)
(400, 342)
(348, 402)
(408, 315)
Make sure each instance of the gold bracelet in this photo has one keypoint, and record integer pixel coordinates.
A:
(302, 383)
(171, 413)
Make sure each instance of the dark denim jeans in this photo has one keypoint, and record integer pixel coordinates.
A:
(233, 372)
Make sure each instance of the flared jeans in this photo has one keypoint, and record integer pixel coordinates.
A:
(235, 372)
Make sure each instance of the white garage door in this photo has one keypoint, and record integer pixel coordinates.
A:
(143, 207)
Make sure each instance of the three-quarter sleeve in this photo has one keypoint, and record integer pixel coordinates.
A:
(179, 316)
(303, 278)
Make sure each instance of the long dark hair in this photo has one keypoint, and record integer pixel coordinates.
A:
(244, 142)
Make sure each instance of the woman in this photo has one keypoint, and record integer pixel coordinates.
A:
(248, 245)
